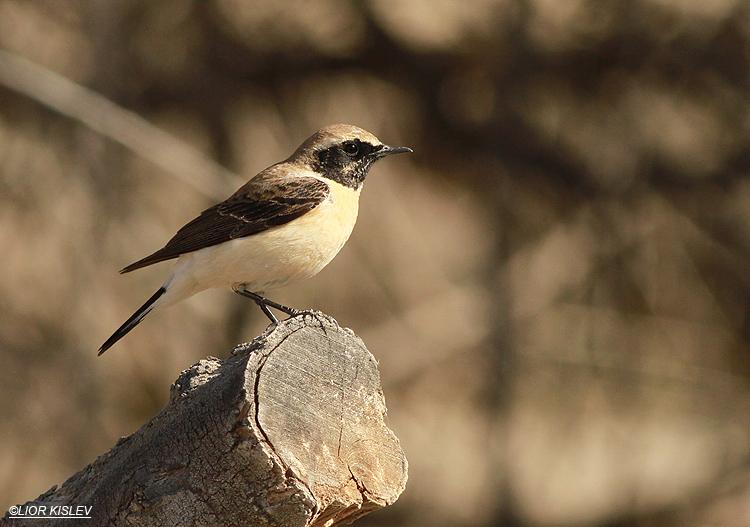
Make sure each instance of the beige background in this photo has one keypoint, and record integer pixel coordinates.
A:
(556, 283)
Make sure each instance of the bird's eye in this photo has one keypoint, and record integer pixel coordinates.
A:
(351, 148)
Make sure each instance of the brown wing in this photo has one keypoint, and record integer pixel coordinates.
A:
(257, 206)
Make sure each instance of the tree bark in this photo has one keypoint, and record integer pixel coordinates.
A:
(287, 431)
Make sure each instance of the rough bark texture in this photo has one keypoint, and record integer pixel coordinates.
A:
(287, 431)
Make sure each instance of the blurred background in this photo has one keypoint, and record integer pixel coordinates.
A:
(556, 283)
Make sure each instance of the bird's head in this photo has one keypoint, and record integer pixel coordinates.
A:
(343, 153)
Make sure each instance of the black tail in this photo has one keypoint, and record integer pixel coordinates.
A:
(132, 321)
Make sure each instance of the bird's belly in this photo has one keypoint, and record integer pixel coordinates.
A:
(281, 255)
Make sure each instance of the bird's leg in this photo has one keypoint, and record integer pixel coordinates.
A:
(264, 304)
(267, 311)
(285, 309)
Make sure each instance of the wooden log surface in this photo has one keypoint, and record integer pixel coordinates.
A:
(287, 431)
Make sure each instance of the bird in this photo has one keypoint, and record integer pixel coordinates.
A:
(282, 226)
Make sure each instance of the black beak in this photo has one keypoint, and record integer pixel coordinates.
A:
(388, 150)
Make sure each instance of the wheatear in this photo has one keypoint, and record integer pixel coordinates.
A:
(283, 225)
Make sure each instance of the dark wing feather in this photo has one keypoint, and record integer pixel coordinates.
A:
(252, 209)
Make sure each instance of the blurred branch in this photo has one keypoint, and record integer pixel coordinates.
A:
(116, 123)
(287, 431)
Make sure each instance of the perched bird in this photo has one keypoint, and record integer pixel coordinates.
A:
(284, 225)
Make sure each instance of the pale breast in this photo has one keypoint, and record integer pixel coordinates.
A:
(281, 255)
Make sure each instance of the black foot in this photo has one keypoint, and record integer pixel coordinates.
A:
(264, 304)
(314, 315)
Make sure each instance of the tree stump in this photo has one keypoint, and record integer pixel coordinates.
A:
(288, 431)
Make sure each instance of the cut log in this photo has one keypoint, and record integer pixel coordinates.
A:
(287, 431)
